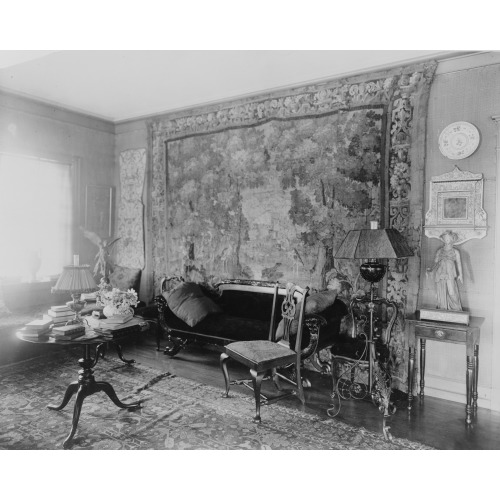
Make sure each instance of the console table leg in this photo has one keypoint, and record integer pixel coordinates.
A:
(476, 373)
(107, 388)
(80, 396)
(411, 371)
(469, 378)
(72, 389)
(422, 367)
(119, 351)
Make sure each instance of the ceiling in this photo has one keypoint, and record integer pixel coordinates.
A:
(127, 84)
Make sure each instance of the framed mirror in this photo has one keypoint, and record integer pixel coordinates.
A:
(456, 203)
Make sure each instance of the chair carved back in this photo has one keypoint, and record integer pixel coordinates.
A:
(295, 297)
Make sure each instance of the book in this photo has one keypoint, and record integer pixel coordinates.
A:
(58, 321)
(122, 332)
(35, 334)
(117, 320)
(60, 314)
(68, 329)
(66, 336)
(60, 308)
(87, 336)
(445, 316)
(38, 324)
(105, 325)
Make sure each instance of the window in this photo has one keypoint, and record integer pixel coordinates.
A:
(36, 200)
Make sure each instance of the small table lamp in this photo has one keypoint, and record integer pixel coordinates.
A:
(373, 244)
(75, 280)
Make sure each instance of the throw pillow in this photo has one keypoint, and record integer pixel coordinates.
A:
(189, 304)
(316, 303)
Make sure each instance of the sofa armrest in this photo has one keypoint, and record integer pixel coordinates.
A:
(313, 323)
(163, 311)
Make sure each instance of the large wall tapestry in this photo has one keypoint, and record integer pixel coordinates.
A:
(271, 201)
(130, 247)
(268, 188)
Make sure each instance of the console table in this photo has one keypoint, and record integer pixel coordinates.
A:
(445, 332)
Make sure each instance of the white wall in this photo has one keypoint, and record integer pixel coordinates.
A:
(465, 89)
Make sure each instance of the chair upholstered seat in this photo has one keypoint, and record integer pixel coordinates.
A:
(260, 354)
(263, 356)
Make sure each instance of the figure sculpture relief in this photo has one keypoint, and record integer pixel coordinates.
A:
(447, 270)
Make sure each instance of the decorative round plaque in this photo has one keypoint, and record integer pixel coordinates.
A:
(459, 140)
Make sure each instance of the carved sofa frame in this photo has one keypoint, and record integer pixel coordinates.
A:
(252, 309)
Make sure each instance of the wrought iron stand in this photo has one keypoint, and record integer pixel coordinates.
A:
(378, 388)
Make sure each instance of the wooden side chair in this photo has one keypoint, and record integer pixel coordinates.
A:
(264, 356)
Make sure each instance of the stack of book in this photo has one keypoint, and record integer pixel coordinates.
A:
(59, 314)
(67, 332)
(111, 331)
(37, 329)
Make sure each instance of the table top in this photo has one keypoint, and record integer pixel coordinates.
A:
(474, 322)
(46, 339)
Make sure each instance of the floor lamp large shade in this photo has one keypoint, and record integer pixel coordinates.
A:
(373, 244)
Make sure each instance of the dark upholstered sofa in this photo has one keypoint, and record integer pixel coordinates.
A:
(244, 311)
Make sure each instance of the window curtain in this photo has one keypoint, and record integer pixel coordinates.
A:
(35, 217)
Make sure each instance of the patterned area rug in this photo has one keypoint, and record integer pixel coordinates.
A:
(177, 414)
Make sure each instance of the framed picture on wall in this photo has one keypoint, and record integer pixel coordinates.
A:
(99, 210)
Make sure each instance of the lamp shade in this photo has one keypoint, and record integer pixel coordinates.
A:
(75, 279)
(374, 244)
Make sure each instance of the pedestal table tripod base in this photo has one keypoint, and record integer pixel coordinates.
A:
(86, 386)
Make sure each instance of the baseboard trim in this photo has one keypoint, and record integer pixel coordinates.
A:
(452, 390)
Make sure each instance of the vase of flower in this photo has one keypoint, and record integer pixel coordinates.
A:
(113, 312)
(116, 303)
(110, 311)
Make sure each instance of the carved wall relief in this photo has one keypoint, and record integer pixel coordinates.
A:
(456, 203)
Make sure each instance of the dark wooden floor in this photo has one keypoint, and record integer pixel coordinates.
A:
(433, 421)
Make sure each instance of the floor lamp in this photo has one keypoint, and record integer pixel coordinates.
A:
(373, 244)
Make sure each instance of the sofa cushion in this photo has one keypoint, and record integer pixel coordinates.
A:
(188, 302)
(125, 278)
(245, 304)
(220, 327)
